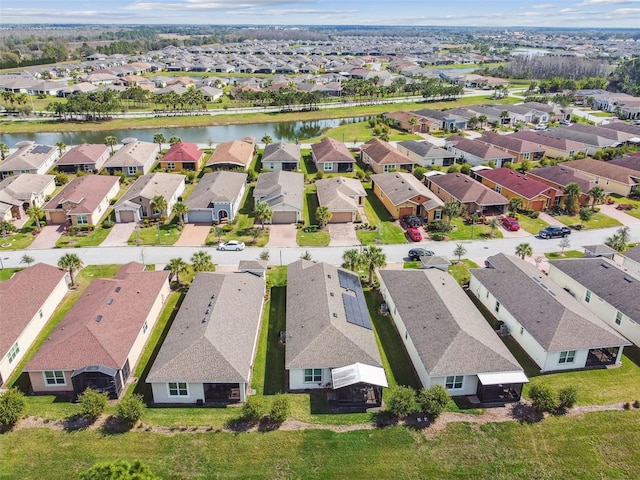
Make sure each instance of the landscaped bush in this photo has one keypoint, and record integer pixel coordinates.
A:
(401, 401)
(567, 398)
(254, 409)
(533, 214)
(92, 403)
(130, 409)
(542, 399)
(12, 403)
(61, 179)
(433, 401)
(439, 226)
(119, 470)
(74, 229)
(108, 223)
(280, 409)
(636, 404)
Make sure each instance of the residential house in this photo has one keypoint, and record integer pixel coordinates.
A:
(217, 197)
(634, 130)
(444, 119)
(88, 157)
(135, 204)
(236, 154)
(284, 193)
(182, 156)
(511, 183)
(207, 356)
(412, 122)
(82, 201)
(329, 333)
(553, 147)
(629, 161)
(552, 327)
(100, 339)
(600, 251)
(281, 156)
(558, 177)
(29, 158)
(476, 153)
(522, 150)
(19, 192)
(606, 290)
(28, 301)
(133, 158)
(527, 114)
(426, 154)
(383, 157)
(594, 140)
(612, 178)
(447, 338)
(474, 196)
(330, 155)
(403, 194)
(342, 196)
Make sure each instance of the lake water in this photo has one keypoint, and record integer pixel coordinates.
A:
(278, 131)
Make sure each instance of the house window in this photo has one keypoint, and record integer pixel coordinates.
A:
(526, 156)
(453, 382)
(13, 353)
(618, 318)
(437, 215)
(54, 377)
(499, 188)
(132, 170)
(145, 327)
(587, 296)
(497, 306)
(82, 219)
(178, 389)
(312, 375)
(272, 166)
(171, 166)
(99, 208)
(389, 168)
(328, 166)
(567, 357)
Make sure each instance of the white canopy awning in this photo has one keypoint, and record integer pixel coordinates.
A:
(358, 373)
(502, 378)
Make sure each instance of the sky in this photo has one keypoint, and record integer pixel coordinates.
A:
(489, 13)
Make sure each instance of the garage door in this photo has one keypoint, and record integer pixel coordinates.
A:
(127, 216)
(341, 217)
(537, 205)
(406, 211)
(284, 217)
(200, 216)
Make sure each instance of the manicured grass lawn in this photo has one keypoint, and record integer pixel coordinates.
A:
(635, 212)
(21, 239)
(531, 225)
(319, 238)
(164, 234)
(387, 230)
(91, 240)
(462, 231)
(350, 133)
(460, 271)
(566, 254)
(7, 273)
(601, 114)
(598, 220)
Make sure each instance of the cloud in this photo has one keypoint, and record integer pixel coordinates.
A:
(210, 5)
(586, 3)
(626, 11)
(544, 6)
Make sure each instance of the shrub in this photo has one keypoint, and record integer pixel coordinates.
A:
(567, 397)
(542, 398)
(437, 237)
(401, 400)
(433, 401)
(626, 405)
(319, 175)
(119, 469)
(439, 226)
(12, 405)
(92, 403)
(533, 214)
(108, 223)
(636, 404)
(254, 409)
(264, 255)
(280, 408)
(61, 179)
(130, 409)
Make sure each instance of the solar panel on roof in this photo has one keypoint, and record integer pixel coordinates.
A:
(41, 149)
(348, 280)
(356, 311)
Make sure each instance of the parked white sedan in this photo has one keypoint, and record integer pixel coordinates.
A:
(231, 245)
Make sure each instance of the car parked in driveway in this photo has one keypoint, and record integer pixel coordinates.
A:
(414, 234)
(554, 232)
(416, 253)
(409, 221)
(231, 245)
(511, 223)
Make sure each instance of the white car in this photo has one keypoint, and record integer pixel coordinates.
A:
(542, 126)
(231, 245)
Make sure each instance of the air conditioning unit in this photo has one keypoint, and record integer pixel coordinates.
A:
(504, 329)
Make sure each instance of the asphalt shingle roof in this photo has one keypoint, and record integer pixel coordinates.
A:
(213, 187)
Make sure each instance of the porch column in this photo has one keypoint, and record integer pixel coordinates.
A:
(243, 392)
(619, 356)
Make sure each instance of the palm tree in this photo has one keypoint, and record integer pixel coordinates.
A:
(174, 139)
(4, 149)
(202, 262)
(597, 195)
(571, 195)
(180, 209)
(515, 204)
(323, 215)
(35, 213)
(482, 119)
(61, 146)
(266, 139)
(158, 205)
(176, 267)
(493, 225)
(263, 212)
(72, 263)
(413, 121)
(619, 240)
(28, 259)
(452, 209)
(372, 258)
(351, 258)
(111, 142)
(459, 251)
(159, 139)
(524, 250)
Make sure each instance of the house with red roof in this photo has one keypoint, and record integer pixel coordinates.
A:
(182, 156)
(511, 183)
(88, 157)
(28, 301)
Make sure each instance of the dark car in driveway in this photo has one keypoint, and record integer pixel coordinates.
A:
(554, 232)
(411, 221)
(416, 253)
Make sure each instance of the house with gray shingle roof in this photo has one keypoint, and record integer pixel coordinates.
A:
(281, 156)
(284, 193)
(135, 204)
(29, 158)
(631, 259)
(207, 356)
(608, 291)
(217, 197)
(447, 338)
(342, 196)
(84, 158)
(551, 326)
(475, 152)
(328, 328)
(19, 192)
(132, 158)
(426, 154)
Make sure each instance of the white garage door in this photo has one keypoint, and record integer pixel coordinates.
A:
(200, 216)
(284, 217)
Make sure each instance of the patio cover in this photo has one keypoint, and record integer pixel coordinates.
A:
(358, 373)
(502, 378)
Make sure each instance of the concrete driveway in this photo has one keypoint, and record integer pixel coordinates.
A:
(282, 235)
(193, 234)
(47, 237)
(119, 235)
(513, 234)
(620, 215)
(342, 235)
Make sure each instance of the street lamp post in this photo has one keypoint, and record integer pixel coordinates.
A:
(2, 262)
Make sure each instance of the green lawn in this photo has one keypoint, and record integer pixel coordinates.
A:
(81, 240)
(387, 231)
(531, 225)
(19, 240)
(318, 238)
(566, 254)
(463, 231)
(635, 212)
(7, 273)
(460, 271)
(350, 133)
(598, 220)
(158, 234)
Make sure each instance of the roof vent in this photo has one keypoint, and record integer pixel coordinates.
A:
(118, 289)
(335, 315)
(98, 318)
(605, 265)
(628, 279)
(109, 301)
